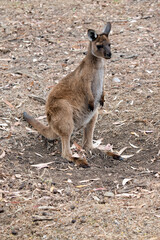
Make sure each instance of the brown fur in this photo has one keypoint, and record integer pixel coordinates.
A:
(73, 102)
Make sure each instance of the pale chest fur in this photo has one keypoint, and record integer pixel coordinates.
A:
(96, 77)
(97, 85)
(97, 89)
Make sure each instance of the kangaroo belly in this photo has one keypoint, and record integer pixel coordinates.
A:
(89, 116)
(83, 117)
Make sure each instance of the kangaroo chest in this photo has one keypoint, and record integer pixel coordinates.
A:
(97, 85)
(96, 77)
(97, 89)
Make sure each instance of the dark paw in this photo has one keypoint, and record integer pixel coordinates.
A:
(91, 106)
(101, 103)
(80, 162)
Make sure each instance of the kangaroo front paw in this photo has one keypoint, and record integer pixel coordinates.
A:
(102, 101)
(91, 105)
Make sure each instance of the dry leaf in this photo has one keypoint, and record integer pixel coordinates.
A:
(126, 195)
(77, 146)
(69, 174)
(99, 189)
(116, 79)
(94, 179)
(96, 143)
(75, 155)
(106, 148)
(119, 122)
(125, 180)
(8, 136)
(41, 165)
(133, 145)
(121, 151)
(30, 130)
(109, 194)
(146, 132)
(139, 150)
(41, 117)
(157, 175)
(38, 154)
(2, 154)
(127, 156)
(52, 188)
(3, 124)
(119, 103)
(18, 176)
(96, 198)
(48, 207)
(81, 186)
(133, 133)
(69, 181)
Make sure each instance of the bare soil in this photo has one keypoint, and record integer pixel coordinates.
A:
(40, 42)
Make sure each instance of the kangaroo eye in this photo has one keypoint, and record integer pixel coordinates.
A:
(109, 44)
(99, 46)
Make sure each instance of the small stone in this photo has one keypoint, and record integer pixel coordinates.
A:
(55, 191)
(44, 213)
(72, 207)
(1, 210)
(73, 221)
(14, 232)
(82, 219)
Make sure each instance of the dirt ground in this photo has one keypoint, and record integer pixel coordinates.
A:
(40, 42)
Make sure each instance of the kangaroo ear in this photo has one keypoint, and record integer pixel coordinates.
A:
(107, 29)
(92, 35)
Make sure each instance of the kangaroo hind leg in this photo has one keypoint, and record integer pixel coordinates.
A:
(88, 133)
(63, 125)
(66, 153)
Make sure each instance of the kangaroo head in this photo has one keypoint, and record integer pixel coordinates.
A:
(99, 43)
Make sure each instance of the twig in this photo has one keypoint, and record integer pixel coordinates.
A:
(24, 72)
(48, 208)
(130, 56)
(41, 218)
(39, 99)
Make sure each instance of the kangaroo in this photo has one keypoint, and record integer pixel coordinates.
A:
(73, 102)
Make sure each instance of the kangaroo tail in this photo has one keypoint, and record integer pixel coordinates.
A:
(45, 131)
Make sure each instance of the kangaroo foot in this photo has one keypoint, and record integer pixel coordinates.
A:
(80, 162)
